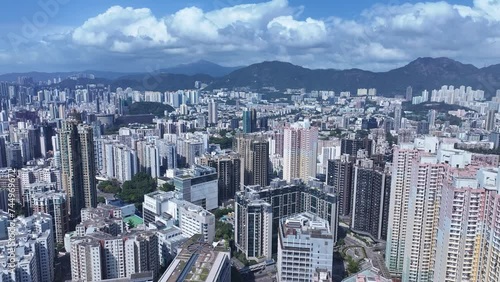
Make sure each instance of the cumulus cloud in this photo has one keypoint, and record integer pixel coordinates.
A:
(381, 37)
(122, 30)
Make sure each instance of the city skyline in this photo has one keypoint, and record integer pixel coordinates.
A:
(372, 35)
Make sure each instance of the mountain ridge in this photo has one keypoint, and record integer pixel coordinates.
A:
(424, 73)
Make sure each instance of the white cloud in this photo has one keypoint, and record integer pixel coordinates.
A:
(120, 29)
(381, 37)
(288, 31)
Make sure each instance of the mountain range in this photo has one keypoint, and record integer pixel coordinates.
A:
(422, 73)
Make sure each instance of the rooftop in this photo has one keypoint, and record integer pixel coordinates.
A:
(306, 224)
(367, 275)
(195, 261)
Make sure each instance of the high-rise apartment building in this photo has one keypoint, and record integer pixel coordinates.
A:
(371, 198)
(488, 269)
(212, 111)
(424, 200)
(77, 166)
(420, 175)
(300, 151)
(254, 149)
(253, 228)
(55, 204)
(99, 256)
(490, 120)
(409, 94)
(289, 199)
(397, 117)
(352, 146)
(339, 176)
(459, 233)
(304, 247)
(229, 169)
(250, 121)
(34, 250)
(398, 210)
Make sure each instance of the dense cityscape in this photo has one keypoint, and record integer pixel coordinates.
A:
(102, 184)
(250, 141)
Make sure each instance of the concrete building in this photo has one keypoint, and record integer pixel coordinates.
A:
(55, 204)
(398, 210)
(487, 261)
(289, 199)
(198, 185)
(77, 166)
(229, 169)
(99, 256)
(460, 231)
(34, 250)
(397, 117)
(300, 151)
(253, 228)
(339, 176)
(254, 149)
(212, 112)
(190, 218)
(197, 261)
(370, 200)
(304, 236)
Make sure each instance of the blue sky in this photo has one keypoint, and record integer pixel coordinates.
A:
(133, 34)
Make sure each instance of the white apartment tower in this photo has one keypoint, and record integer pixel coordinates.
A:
(460, 229)
(423, 215)
(305, 246)
(300, 151)
(398, 208)
(212, 111)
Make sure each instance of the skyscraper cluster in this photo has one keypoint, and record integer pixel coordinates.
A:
(442, 204)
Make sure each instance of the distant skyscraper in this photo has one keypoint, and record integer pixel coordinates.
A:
(212, 112)
(14, 156)
(397, 117)
(254, 149)
(230, 173)
(340, 178)
(300, 151)
(371, 198)
(490, 120)
(409, 93)
(3, 152)
(432, 118)
(77, 166)
(423, 127)
(249, 121)
(352, 146)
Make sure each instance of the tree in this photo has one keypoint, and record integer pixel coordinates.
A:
(352, 266)
(60, 247)
(130, 224)
(223, 231)
(218, 213)
(167, 187)
(108, 186)
(133, 191)
(101, 199)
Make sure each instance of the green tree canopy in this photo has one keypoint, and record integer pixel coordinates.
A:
(133, 191)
